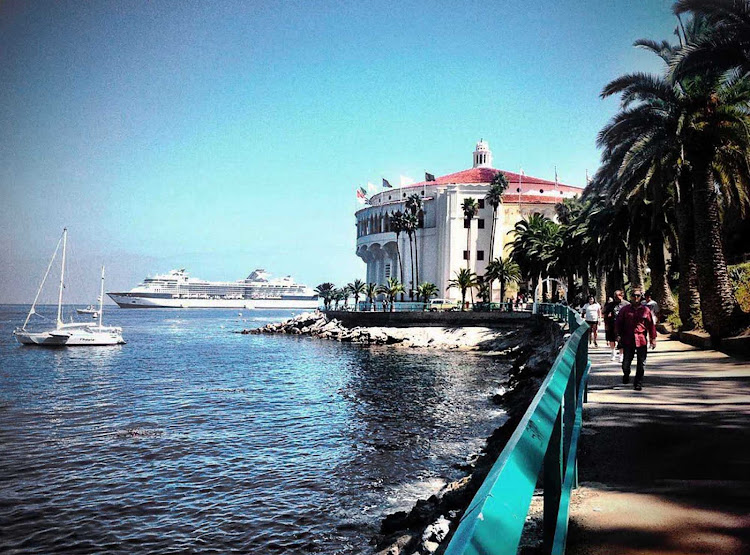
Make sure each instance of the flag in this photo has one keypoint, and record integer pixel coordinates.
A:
(405, 181)
(429, 177)
(361, 196)
(371, 188)
(386, 184)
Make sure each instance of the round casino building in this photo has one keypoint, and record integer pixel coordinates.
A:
(442, 235)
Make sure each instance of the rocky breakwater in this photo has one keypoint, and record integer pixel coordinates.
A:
(317, 324)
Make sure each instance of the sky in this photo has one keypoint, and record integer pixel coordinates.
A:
(221, 137)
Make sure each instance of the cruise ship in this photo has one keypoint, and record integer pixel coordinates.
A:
(177, 290)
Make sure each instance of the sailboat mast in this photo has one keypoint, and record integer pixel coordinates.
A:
(101, 299)
(62, 279)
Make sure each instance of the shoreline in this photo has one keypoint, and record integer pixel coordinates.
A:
(530, 347)
(452, 337)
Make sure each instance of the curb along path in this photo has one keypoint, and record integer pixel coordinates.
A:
(666, 469)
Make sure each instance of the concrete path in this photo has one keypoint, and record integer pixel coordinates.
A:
(666, 469)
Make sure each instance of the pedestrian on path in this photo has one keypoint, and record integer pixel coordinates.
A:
(592, 311)
(635, 330)
(652, 305)
(610, 312)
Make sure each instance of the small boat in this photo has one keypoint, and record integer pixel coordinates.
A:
(74, 333)
(93, 311)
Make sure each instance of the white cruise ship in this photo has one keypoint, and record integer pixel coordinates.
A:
(177, 290)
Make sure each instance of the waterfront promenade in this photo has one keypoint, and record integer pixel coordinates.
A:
(666, 469)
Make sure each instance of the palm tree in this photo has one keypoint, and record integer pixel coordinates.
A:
(410, 226)
(504, 270)
(484, 290)
(339, 295)
(495, 197)
(356, 288)
(534, 249)
(470, 208)
(325, 291)
(465, 279)
(414, 208)
(371, 291)
(391, 288)
(427, 290)
(726, 44)
(397, 226)
(697, 128)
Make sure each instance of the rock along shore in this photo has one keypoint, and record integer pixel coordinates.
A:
(530, 348)
(317, 324)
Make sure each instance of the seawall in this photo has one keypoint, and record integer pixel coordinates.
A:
(498, 319)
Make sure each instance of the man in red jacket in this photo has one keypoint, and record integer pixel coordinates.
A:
(635, 330)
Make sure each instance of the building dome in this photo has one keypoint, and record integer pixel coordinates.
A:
(482, 155)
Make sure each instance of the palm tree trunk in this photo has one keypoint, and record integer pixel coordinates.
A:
(411, 267)
(584, 273)
(400, 266)
(721, 313)
(468, 248)
(635, 264)
(662, 293)
(571, 287)
(492, 238)
(502, 290)
(601, 286)
(416, 257)
(688, 295)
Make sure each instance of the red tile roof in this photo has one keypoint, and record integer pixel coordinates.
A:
(485, 175)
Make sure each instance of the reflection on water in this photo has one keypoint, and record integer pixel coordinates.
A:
(193, 438)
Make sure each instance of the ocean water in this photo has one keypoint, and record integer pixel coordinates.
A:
(191, 438)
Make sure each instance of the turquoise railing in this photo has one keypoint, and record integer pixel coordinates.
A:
(547, 437)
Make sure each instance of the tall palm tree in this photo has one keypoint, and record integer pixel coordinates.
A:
(325, 291)
(703, 120)
(410, 226)
(397, 226)
(470, 208)
(356, 288)
(465, 279)
(414, 207)
(504, 270)
(390, 289)
(494, 197)
(427, 290)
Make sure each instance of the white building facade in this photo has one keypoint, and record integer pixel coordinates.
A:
(442, 237)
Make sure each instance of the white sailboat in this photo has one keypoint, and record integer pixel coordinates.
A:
(91, 310)
(74, 333)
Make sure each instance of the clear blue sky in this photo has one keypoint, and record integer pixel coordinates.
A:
(225, 136)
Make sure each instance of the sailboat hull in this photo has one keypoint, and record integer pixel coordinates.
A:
(72, 338)
(40, 338)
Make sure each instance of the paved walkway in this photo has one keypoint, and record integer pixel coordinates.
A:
(666, 469)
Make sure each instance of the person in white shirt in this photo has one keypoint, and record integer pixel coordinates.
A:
(592, 312)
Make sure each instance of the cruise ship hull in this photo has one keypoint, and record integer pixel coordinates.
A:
(126, 300)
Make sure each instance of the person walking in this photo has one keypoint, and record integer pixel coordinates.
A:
(591, 312)
(652, 305)
(635, 331)
(610, 312)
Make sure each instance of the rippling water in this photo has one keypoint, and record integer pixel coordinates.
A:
(193, 438)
